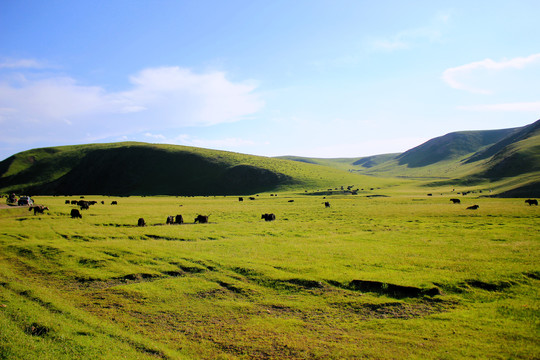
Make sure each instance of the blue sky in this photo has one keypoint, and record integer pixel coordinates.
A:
(308, 78)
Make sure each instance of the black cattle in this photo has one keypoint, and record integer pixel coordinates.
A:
(38, 209)
(84, 205)
(76, 214)
(251, 198)
(455, 201)
(74, 202)
(102, 202)
(290, 201)
(532, 202)
(141, 222)
(178, 219)
(201, 219)
(474, 207)
(268, 217)
(326, 204)
(114, 202)
(429, 194)
(170, 220)
(67, 202)
(240, 199)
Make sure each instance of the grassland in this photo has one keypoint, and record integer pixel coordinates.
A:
(390, 273)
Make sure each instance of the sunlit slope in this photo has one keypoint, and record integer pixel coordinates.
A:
(149, 169)
(507, 160)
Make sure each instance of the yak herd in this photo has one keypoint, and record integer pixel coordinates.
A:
(201, 219)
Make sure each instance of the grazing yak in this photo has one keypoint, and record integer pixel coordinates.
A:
(326, 204)
(290, 201)
(75, 213)
(201, 219)
(532, 202)
(179, 219)
(240, 199)
(268, 217)
(114, 202)
(474, 207)
(455, 201)
(84, 205)
(170, 220)
(67, 202)
(141, 222)
(38, 209)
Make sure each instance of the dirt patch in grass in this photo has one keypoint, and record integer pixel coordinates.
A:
(36, 329)
(489, 286)
(396, 310)
(391, 290)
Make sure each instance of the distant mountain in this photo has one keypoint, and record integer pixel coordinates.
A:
(514, 156)
(374, 160)
(462, 157)
(451, 146)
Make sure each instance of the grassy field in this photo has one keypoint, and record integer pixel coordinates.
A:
(385, 274)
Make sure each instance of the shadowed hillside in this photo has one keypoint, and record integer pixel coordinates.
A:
(146, 169)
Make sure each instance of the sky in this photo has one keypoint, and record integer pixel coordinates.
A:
(313, 78)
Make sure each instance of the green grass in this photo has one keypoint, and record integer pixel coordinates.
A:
(240, 287)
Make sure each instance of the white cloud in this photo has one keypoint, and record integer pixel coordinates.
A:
(21, 64)
(519, 106)
(188, 140)
(155, 136)
(183, 98)
(474, 77)
(409, 38)
(158, 98)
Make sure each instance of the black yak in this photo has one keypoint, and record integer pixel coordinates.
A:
(201, 219)
(474, 207)
(75, 213)
(455, 201)
(532, 202)
(141, 222)
(38, 209)
(268, 217)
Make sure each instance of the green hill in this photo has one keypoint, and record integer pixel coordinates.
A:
(507, 160)
(147, 169)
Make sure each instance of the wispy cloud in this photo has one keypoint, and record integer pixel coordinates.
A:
(183, 139)
(21, 64)
(514, 107)
(409, 38)
(158, 98)
(469, 77)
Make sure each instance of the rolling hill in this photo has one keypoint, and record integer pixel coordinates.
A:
(508, 160)
(131, 168)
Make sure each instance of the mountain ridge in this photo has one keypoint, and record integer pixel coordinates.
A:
(129, 168)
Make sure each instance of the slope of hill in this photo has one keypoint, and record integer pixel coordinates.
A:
(148, 169)
(451, 146)
(510, 157)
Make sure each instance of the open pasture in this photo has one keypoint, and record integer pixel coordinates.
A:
(394, 277)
